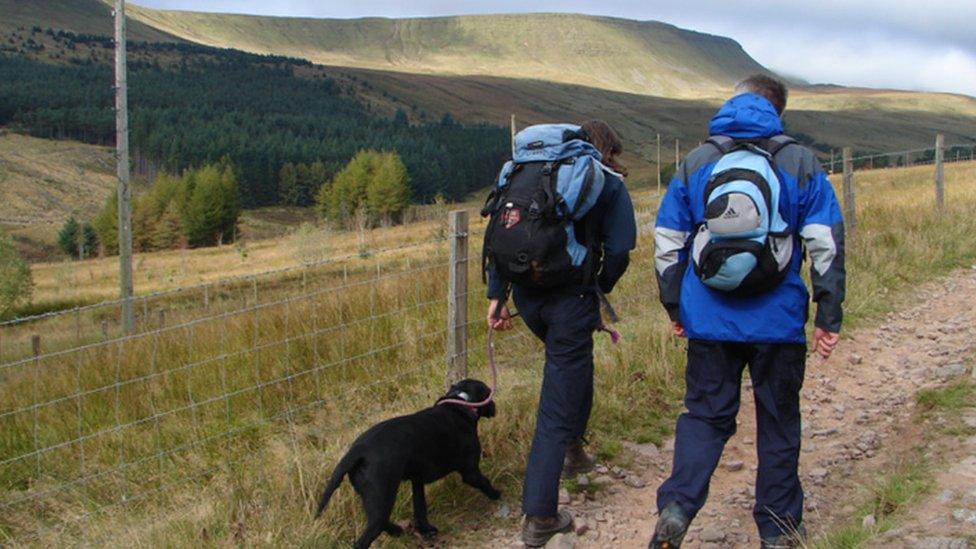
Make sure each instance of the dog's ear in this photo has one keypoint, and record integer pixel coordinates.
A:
(487, 410)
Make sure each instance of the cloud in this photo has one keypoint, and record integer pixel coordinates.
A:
(869, 60)
(877, 43)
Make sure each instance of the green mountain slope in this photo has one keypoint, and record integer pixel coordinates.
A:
(648, 58)
(80, 16)
(644, 77)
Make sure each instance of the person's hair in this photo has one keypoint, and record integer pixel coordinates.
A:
(771, 88)
(602, 136)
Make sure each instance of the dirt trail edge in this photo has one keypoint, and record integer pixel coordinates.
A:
(852, 405)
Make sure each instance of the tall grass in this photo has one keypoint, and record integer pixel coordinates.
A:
(221, 430)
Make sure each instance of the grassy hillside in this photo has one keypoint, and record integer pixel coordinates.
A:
(644, 77)
(868, 120)
(546, 67)
(41, 178)
(222, 432)
(80, 16)
(614, 54)
(42, 182)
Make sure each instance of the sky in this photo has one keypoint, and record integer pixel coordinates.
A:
(876, 43)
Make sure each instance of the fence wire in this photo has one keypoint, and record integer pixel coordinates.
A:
(93, 419)
(100, 425)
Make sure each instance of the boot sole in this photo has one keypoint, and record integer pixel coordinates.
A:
(667, 539)
(540, 540)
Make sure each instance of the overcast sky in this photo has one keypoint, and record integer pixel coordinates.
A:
(879, 43)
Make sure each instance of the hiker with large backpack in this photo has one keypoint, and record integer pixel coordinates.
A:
(560, 233)
(729, 243)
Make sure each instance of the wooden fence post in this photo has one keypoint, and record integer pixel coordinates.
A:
(457, 299)
(659, 163)
(939, 173)
(36, 349)
(850, 211)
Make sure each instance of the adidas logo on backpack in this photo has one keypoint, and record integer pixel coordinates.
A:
(744, 246)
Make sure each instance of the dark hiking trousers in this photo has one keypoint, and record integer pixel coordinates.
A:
(714, 378)
(565, 323)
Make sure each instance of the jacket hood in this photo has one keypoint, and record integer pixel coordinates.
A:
(746, 116)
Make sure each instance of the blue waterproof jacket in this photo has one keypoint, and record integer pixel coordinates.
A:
(807, 204)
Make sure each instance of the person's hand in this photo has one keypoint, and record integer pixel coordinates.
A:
(504, 320)
(824, 342)
(677, 329)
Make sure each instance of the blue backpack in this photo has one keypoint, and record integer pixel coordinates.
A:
(553, 180)
(744, 246)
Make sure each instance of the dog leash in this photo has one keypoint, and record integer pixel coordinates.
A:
(490, 352)
(494, 377)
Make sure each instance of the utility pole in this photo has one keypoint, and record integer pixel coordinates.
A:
(659, 163)
(122, 158)
(677, 155)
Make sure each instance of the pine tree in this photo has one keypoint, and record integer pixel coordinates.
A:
(387, 192)
(347, 192)
(168, 233)
(68, 237)
(90, 238)
(106, 225)
(288, 184)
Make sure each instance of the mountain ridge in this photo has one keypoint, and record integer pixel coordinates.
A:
(647, 57)
(80, 16)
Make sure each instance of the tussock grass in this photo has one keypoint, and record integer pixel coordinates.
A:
(185, 437)
(887, 499)
(894, 491)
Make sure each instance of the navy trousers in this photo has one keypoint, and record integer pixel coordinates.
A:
(565, 323)
(714, 378)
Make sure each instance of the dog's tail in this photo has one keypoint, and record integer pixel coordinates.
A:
(346, 465)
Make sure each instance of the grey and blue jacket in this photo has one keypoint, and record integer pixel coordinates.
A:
(809, 207)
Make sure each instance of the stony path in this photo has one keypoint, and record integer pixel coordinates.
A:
(947, 518)
(852, 405)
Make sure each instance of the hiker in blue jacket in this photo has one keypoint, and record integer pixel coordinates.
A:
(564, 317)
(728, 270)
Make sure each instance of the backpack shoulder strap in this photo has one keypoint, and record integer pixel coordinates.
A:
(723, 143)
(776, 143)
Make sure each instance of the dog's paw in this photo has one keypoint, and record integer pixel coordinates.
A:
(394, 530)
(427, 531)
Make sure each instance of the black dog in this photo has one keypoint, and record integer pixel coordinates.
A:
(422, 447)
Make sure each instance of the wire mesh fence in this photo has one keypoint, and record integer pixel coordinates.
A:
(109, 420)
(95, 422)
(100, 322)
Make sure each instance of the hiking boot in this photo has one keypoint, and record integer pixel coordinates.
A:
(537, 531)
(577, 461)
(672, 525)
(791, 540)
